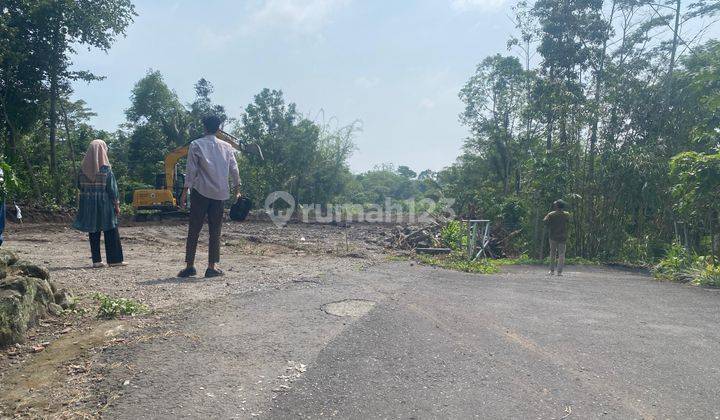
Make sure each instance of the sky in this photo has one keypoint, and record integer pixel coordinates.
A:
(397, 66)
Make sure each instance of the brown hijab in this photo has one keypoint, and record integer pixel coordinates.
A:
(95, 158)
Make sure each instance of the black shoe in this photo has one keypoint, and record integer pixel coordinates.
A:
(213, 272)
(188, 272)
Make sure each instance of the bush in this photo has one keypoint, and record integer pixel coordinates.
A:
(676, 266)
(454, 236)
(111, 308)
(706, 273)
(635, 251)
(457, 261)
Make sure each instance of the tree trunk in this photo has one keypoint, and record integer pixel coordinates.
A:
(715, 236)
(54, 69)
(590, 192)
(53, 125)
(676, 41)
(599, 76)
(69, 141)
(549, 134)
(537, 239)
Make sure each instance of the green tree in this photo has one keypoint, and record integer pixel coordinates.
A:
(696, 188)
(494, 98)
(406, 172)
(65, 25)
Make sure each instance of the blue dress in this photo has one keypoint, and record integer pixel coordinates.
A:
(97, 202)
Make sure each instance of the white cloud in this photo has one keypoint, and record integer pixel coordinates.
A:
(427, 103)
(305, 16)
(367, 82)
(467, 5)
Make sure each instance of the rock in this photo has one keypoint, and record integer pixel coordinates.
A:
(65, 298)
(44, 293)
(28, 269)
(26, 295)
(55, 309)
(7, 258)
(23, 300)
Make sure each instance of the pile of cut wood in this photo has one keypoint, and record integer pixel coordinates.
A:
(416, 236)
(426, 238)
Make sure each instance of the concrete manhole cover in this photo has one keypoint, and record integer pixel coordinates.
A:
(348, 307)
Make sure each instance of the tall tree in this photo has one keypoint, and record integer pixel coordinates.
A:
(494, 100)
(65, 25)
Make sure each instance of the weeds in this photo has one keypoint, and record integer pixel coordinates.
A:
(709, 275)
(397, 258)
(459, 263)
(527, 260)
(676, 266)
(111, 308)
(684, 266)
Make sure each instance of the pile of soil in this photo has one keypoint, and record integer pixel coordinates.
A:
(34, 213)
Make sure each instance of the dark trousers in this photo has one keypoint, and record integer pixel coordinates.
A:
(113, 248)
(200, 207)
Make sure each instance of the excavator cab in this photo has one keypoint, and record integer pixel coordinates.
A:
(178, 184)
(163, 199)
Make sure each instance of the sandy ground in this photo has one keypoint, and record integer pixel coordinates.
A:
(254, 255)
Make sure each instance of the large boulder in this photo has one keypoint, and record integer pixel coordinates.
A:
(26, 295)
(26, 268)
(23, 300)
(7, 258)
(65, 298)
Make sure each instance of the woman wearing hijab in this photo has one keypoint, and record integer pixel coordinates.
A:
(99, 205)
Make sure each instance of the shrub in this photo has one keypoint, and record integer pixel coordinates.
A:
(457, 261)
(454, 236)
(635, 251)
(676, 266)
(706, 273)
(111, 308)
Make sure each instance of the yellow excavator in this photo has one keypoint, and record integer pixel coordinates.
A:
(163, 199)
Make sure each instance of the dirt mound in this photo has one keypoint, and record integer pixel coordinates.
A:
(32, 213)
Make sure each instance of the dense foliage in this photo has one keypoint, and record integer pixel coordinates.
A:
(37, 39)
(619, 89)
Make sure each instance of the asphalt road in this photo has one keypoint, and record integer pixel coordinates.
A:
(430, 343)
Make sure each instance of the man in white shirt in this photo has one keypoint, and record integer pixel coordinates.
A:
(210, 162)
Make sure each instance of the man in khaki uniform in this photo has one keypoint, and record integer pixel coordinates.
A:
(556, 222)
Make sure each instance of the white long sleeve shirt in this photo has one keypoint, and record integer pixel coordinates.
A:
(210, 162)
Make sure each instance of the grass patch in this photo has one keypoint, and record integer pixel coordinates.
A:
(111, 308)
(526, 260)
(459, 263)
(397, 258)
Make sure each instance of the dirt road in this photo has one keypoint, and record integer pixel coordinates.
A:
(328, 334)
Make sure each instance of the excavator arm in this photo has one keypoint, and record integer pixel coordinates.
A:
(173, 157)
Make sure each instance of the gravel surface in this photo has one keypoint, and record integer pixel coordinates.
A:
(254, 255)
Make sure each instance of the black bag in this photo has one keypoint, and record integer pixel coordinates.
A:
(240, 210)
